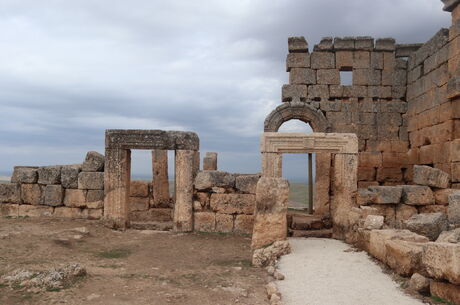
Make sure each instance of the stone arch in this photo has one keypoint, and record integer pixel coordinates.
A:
(296, 110)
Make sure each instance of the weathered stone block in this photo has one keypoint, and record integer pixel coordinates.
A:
(376, 60)
(35, 211)
(297, 45)
(94, 195)
(446, 291)
(364, 43)
(403, 256)
(24, 174)
(94, 213)
(297, 60)
(157, 214)
(452, 236)
(69, 176)
(208, 179)
(403, 213)
(138, 203)
(361, 60)
(9, 210)
(233, 203)
(373, 222)
(270, 222)
(139, 188)
(49, 174)
(370, 159)
(67, 212)
(417, 195)
(31, 193)
(328, 77)
(453, 210)
(224, 223)
(53, 195)
(94, 162)
(378, 238)
(75, 198)
(322, 60)
(441, 261)
(302, 76)
(95, 205)
(427, 224)
(244, 224)
(91, 180)
(318, 91)
(419, 283)
(385, 44)
(325, 44)
(344, 60)
(385, 194)
(210, 161)
(425, 175)
(247, 183)
(293, 92)
(10, 192)
(344, 43)
(204, 221)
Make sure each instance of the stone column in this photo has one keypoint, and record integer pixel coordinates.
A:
(322, 183)
(160, 178)
(210, 161)
(270, 223)
(117, 175)
(344, 188)
(183, 213)
(272, 165)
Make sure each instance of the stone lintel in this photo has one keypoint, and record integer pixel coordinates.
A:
(277, 142)
(151, 139)
(406, 49)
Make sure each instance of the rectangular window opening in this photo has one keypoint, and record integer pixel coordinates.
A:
(346, 78)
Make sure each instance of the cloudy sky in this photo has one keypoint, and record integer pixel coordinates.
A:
(71, 69)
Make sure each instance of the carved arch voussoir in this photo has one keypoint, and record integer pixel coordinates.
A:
(296, 110)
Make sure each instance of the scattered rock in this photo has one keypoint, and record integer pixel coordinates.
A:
(56, 278)
(419, 283)
(278, 275)
(271, 270)
(93, 296)
(268, 256)
(449, 236)
(373, 222)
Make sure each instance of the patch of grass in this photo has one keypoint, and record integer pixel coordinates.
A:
(115, 253)
(441, 300)
(26, 297)
(3, 286)
(53, 289)
(111, 266)
(234, 263)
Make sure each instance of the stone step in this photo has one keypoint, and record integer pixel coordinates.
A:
(300, 221)
(154, 214)
(323, 233)
(152, 225)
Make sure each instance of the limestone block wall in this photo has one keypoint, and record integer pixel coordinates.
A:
(70, 191)
(433, 106)
(224, 202)
(372, 106)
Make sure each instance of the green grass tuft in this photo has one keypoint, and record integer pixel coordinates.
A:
(115, 253)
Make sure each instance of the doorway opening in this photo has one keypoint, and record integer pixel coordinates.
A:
(299, 169)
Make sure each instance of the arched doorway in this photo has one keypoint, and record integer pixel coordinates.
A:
(317, 122)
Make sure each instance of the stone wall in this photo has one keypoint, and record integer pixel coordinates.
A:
(70, 191)
(433, 123)
(372, 106)
(224, 202)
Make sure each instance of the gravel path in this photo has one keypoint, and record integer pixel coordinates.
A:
(319, 272)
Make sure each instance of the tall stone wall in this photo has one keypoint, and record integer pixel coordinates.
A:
(372, 106)
(433, 103)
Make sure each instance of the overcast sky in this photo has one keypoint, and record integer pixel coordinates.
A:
(71, 69)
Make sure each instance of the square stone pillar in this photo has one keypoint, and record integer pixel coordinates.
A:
(160, 178)
(117, 176)
(270, 218)
(210, 161)
(344, 188)
(183, 207)
(272, 164)
(322, 184)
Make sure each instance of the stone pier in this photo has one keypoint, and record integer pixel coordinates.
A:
(210, 161)
(160, 178)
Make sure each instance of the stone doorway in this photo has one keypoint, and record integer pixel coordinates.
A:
(118, 172)
(341, 148)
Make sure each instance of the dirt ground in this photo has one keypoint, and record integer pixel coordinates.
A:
(131, 267)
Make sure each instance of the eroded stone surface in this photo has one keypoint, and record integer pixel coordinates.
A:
(94, 162)
(425, 175)
(427, 224)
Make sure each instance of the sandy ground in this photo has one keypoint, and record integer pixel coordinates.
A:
(131, 267)
(319, 272)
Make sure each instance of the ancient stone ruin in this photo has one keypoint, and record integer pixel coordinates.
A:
(387, 163)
